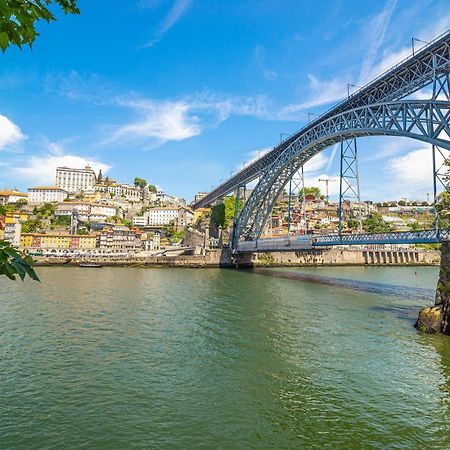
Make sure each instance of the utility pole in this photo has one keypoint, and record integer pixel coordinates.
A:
(327, 181)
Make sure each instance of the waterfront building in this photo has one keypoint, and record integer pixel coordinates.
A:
(46, 194)
(58, 241)
(11, 196)
(152, 240)
(75, 180)
(12, 231)
(120, 238)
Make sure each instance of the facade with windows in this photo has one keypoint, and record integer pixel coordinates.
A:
(75, 180)
(46, 194)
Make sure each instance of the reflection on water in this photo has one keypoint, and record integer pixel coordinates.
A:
(356, 285)
(139, 358)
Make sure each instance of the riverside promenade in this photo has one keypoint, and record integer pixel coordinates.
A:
(223, 258)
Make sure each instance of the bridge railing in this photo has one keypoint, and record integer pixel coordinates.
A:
(395, 237)
(304, 242)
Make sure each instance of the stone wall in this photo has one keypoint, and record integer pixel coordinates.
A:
(347, 257)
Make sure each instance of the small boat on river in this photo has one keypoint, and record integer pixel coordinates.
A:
(92, 265)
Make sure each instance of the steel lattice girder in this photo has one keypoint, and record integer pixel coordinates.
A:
(427, 121)
(405, 78)
(396, 237)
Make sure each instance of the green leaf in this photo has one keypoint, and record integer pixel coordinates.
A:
(4, 41)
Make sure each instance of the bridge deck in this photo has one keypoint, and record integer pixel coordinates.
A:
(309, 242)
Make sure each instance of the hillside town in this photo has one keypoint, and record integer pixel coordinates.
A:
(86, 214)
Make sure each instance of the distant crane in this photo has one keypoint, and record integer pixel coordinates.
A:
(327, 181)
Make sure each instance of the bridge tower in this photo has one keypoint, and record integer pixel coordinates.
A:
(349, 182)
(296, 187)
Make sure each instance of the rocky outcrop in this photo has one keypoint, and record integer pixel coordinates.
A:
(436, 319)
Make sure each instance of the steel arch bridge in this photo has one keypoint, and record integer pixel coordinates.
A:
(427, 121)
(375, 110)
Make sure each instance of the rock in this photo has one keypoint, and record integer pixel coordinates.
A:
(430, 319)
(436, 319)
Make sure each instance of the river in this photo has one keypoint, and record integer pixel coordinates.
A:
(204, 359)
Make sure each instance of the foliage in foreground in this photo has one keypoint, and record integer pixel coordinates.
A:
(18, 19)
(13, 264)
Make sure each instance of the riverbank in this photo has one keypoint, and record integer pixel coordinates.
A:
(223, 258)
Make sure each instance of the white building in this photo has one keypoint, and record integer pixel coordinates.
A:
(157, 217)
(75, 180)
(140, 221)
(131, 193)
(46, 194)
(7, 196)
(13, 232)
(86, 211)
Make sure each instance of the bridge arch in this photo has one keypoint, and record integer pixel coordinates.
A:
(425, 120)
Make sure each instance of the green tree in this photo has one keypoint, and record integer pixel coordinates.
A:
(44, 211)
(31, 226)
(353, 224)
(12, 263)
(375, 223)
(18, 19)
(140, 182)
(313, 190)
(402, 203)
(61, 220)
(152, 188)
(169, 230)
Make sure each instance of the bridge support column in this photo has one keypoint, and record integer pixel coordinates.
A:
(436, 319)
(349, 181)
(296, 186)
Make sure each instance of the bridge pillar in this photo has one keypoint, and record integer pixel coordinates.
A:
(296, 185)
(436, 319)
(349, 181)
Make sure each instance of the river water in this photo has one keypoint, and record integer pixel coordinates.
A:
(202, 359)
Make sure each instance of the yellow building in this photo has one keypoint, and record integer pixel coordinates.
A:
(87, 242)
(58, 241)
(13, 217)
(26, 240)
(55, 241)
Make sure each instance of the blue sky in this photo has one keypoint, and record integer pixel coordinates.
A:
(183, 92)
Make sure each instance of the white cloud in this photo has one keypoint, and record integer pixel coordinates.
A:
(411, 175)
(317, 162)
(10, 133)
(177, 10)
(260, 56)
(376, 32)
(322, 93)
(41, 169)
(389, 59)
(160, 121)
